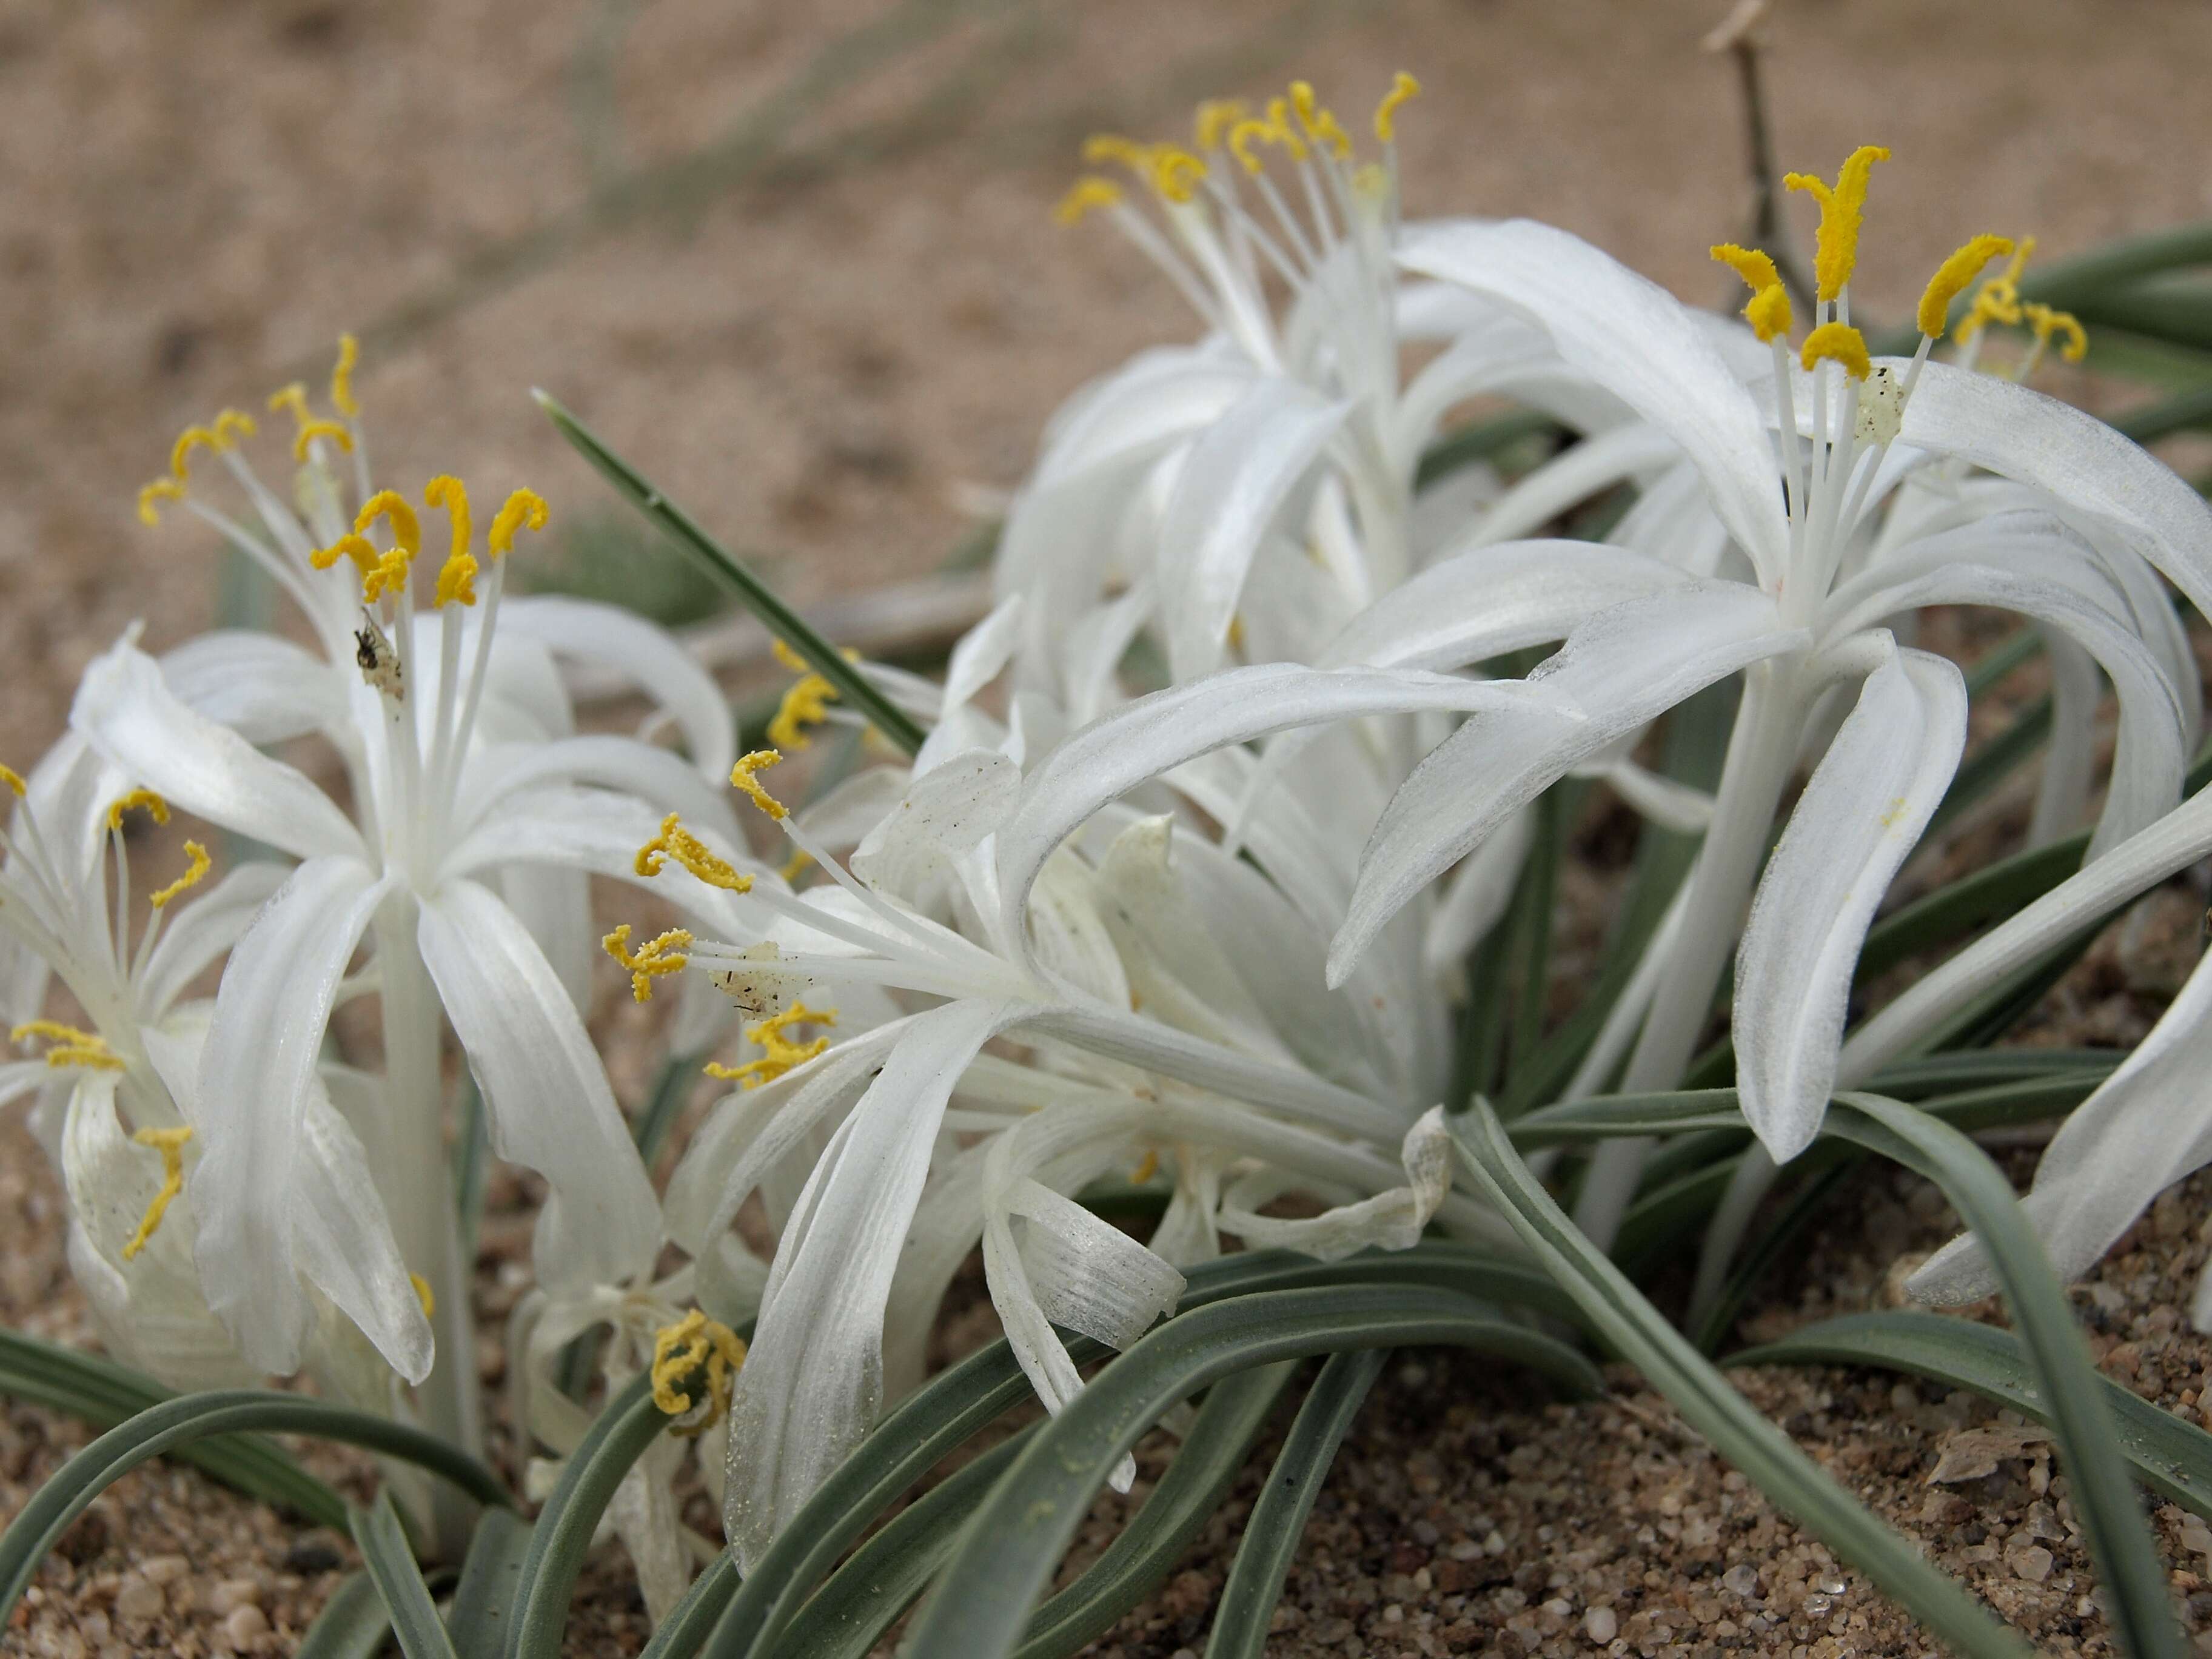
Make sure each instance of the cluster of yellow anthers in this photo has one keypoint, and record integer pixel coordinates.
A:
(385, 573)
(663, 954)
(1299, 125)
(779, 1052)
(694, 1344)
(170, 1143)
(807, 703)
(1843, 212)
(145, 800)
(69, 1045)
(223, 433)
(1998, 300)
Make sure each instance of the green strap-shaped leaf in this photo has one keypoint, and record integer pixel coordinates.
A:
(2139, 1606)
(104, 1394)
(391, 1563)
(2171, 1455)
(691, 1619)
(1007, 1551)
(679, 1074)
(353, 1624)
(1278, 1517)
(1772, 1462)
(823, 658)
(491, 1577)
(197, 1417)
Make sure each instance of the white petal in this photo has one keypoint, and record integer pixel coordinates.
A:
(1390, 1220)
(343, 1241)
(550, 1105)
(1478, 892)
(1162, 731)
(1622, 668)
(644, 652)
(262, 687)
(1636, 341)
(1240, 474)
(131, 716)
(202, 929)
(663, 781)
(255, 1077)
(1087, 1274)
(1627, 453)
(812, 1381)
(2147, 1126)
(1861, 815)
(945, 813)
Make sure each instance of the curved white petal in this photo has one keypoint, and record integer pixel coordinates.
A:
(1860, 817)
(343, 1240)
(199, 931)
(1622, 668)
(550, 1106)
(128, 712)
(1636, 341)
(262, 687)
(643, 651)
(1596, 463)
(1241, 472)
(663, 781)
(256, 1077)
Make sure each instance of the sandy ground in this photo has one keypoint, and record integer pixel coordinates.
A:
(799, 261)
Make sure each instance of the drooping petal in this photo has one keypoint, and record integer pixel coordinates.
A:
(1636, 341)
(945, 813)
(1621, 668)
(262, 687)
(1859, 818)
(248, 1113)
(812, 1381)
(127, 710)
(343, 1243)
(198, 931)
(643, 652)
(549, 1104)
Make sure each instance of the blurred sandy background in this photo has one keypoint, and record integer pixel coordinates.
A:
(799, 260)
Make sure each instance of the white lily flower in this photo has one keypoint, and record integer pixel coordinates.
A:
(1808, 620)
(455, 801)
(120, 1097)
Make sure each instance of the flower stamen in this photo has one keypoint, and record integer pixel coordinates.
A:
(137, 801)
(656, 956)
(1768, 311)
(675, 841)
(170, 1144)
(781, 1054)
(1843, 211)
(69, 1045)
(1951, 279)
(692, 1343)
(741, 777)
(457, 578)
(201, 864)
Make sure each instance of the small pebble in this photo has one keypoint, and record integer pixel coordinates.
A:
(2032, 1564)
(137, 1601)
(246, 1626)
(1601, 1624)
(164, 1569)
(231, 1593)
(1742, 1578)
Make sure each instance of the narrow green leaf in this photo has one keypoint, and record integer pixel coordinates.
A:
(1764, 1249)
(391, 1563)
(691, 1619)
(823, 658)
(1154, 1539)
(103, 1393)
(2171, 1455)
(1478, 440)
(680, 1075)
(2185, 411)
(1277, 1519)
(2139, 1606)
(1768, 1457)
(472, 1150)
(353, 1624)
(483, 1603)
(1989, 765)
(197, 1417)
(1007, 1552)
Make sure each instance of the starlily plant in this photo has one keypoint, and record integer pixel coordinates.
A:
(1152, 957)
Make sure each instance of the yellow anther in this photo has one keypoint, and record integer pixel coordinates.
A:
(675, 841)
(1838, 343)
(14, 780)
(1175, 173)
(422, 1295)
(341, 376)
(1403, 91)
(180, 452)
(200, 865)
(1102, 148)
(71, 1046)
(2045, 322)
(525, 509)
(656, 956)
(795, 866)
(1216, 116)
(311, 430)
(1307, 106)
(137, 799)
(457, 579)
(232, 425)
(161, 489)
(390, 575)
(1768, 310)
(1278, 117)
(779, 1052)
(1951, 278)
(789, 658)
(294, 397)
(694, 1343)
(1243, 136)
(1319, 124)
(1087, 195)
(1843, 210)
(1151, 1167)
(170, 1143)
(741, 777)
(353, 546)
